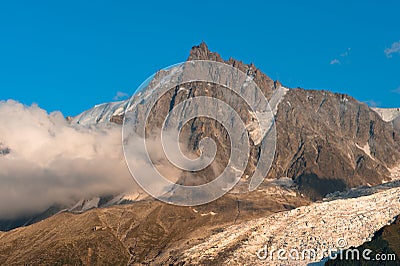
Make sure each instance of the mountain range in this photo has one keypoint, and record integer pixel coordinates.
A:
(326, 143)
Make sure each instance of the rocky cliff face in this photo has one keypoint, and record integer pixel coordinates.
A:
(330, 141)
(325, 141)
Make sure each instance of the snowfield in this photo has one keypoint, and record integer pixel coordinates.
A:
(388, 114)
(101, 113)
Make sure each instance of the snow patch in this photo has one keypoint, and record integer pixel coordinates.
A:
(387, 114)
(183, 89)
(209, 213)
(84, 205)
(277, 97)
(366, 149)
(101, 113)
(395, 173)
(134, 196)
(264, 118)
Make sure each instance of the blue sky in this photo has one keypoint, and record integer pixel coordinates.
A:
(70, 55)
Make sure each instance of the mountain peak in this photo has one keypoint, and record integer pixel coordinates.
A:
(201, 52)
(203, 45)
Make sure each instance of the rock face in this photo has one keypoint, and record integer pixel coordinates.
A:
(326, 141)
(330, 141)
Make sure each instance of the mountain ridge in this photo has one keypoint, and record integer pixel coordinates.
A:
(342, 125)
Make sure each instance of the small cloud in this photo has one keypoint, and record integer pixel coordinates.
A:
(372, 103)
(346, 53)
(396, 90)
(335, 62)
(395, 48)
(120, 95)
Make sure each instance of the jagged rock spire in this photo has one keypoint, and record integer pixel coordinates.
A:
(201, 52)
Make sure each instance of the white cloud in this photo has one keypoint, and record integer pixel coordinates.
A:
(335, 62)
(373, 103)
(394, 48)
(346, 53)
(396, 90)
(120, 95)
(52, 162)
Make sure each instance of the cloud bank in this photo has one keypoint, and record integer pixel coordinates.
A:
(47, 161)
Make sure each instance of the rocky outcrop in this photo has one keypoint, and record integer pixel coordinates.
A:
(4, 150)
